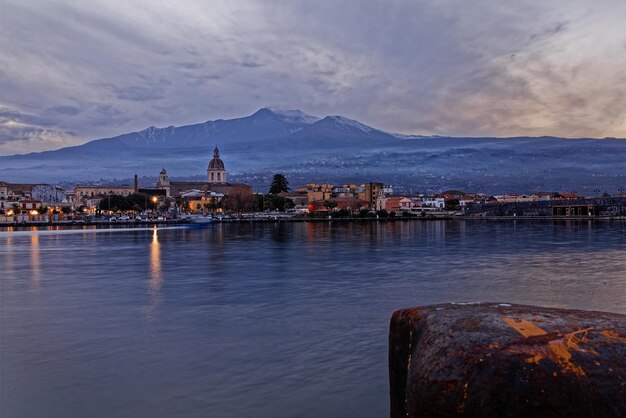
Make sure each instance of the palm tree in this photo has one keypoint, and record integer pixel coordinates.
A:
(16, 209)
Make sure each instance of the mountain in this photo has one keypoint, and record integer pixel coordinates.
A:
(334, 148)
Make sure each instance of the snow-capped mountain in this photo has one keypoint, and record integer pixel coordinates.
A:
(334, 148)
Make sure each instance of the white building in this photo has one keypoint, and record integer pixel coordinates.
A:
(48, 194)
(434, 202)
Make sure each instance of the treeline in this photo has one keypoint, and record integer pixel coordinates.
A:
(238, 203)
(136, 201)
(256, 203)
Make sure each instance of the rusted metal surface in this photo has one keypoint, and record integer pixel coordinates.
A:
(500, 360)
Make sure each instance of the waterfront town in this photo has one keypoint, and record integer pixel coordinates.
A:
(218, 199)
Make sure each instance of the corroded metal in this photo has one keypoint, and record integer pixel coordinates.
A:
(500, 360)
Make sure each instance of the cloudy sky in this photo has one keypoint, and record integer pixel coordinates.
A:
(72, 71)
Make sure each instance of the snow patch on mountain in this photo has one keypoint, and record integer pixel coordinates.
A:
(294, 116)
(348, 123)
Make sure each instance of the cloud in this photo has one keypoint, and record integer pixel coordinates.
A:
(101, 68)
(65, 110)
(22, 132)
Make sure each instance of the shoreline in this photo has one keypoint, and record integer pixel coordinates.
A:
(173, 222)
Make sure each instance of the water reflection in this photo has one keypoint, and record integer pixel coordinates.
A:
(263, 319)
(35, 261)
(279, 232)
(156, 274)
(9, 253)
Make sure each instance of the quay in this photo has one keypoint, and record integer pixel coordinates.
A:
(314, 220)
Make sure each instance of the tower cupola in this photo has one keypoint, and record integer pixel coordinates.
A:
(216, 173)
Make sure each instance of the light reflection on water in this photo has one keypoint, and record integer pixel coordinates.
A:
(156, 279)
(270, 320)
(35, 263)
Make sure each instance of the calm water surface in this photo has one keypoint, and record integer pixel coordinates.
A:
(267, 320)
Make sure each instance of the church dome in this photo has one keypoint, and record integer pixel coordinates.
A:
(216, 163)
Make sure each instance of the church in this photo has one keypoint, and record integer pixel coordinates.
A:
(216, 181)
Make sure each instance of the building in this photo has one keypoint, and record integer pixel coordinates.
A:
(317, 192)
(90, 196)
(164, 183)
(348, 196)
(4, 190)
(48, 194)
(575, 210)
(371, 192)
(216, 181)
(201, 201)
(390, 203)
(298, 199)
(29, 196)
(216, 173)
(434, 202)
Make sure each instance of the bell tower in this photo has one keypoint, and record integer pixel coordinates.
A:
(164, 183)
(216, 172)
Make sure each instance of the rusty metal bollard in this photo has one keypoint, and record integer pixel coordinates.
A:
(501, 360)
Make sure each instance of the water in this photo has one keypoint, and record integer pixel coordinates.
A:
(266, 320)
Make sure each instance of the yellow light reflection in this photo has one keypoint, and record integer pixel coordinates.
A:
(9, 253)
(156, 275)
(35, 260)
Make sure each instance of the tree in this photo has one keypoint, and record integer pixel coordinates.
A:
(240, 203)
(43, 209)
(15, 208)
(114, 203)
(330, 204)
(273, 202)
(279, 184)
(66, 209)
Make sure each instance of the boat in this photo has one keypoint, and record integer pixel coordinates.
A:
(200, 219)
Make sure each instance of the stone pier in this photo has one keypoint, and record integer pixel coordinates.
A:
(502, 360)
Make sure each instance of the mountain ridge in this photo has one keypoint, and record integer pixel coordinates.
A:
(154, 135)
(333, 148)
